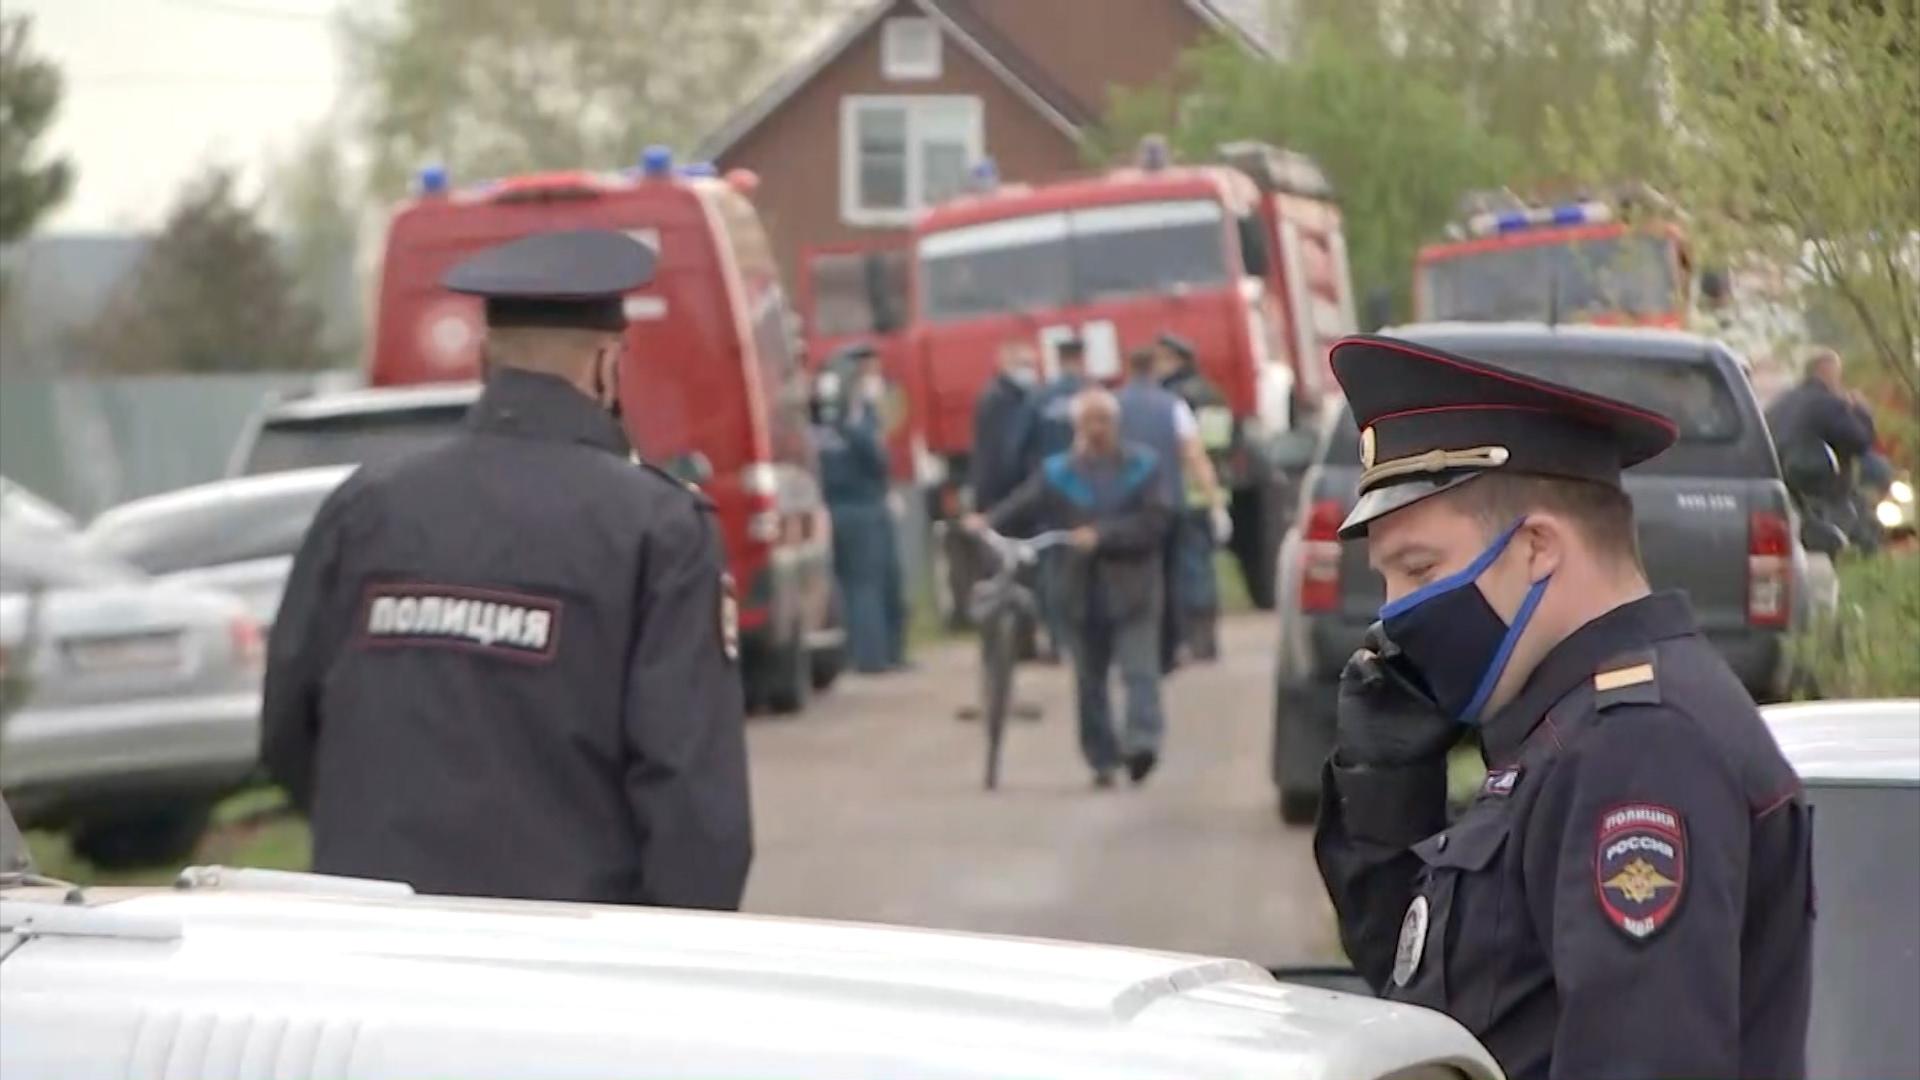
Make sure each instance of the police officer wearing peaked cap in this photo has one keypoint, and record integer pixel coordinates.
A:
(1629, 894)
(506, 666)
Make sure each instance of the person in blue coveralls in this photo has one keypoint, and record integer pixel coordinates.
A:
(853, 476)
(1049, 431)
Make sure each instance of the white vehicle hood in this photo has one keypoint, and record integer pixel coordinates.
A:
(355, 987)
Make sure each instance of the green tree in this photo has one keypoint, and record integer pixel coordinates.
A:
(30, 91)
(314, 202)
(1794, 145)
(211, 294)
(492, 87)
(1515, 62)
(1399, 150)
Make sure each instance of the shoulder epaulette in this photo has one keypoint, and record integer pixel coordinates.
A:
(1632, 678)
(688, 486)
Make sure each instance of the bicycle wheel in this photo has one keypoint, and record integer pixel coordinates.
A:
(996, 684)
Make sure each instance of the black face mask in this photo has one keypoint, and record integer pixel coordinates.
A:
(1455, 642)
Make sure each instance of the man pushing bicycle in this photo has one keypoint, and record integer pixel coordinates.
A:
(1110, 589)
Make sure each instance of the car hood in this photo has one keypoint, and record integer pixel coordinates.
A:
(935, 1003)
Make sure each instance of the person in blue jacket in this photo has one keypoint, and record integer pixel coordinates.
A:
(853, 476)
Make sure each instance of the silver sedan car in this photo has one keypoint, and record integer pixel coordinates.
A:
(131, 707)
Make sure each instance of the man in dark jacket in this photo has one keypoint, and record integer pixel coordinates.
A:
(1048, 430)
(1000, 418)
(1821, 410)
(1109, 586)
(508, 665)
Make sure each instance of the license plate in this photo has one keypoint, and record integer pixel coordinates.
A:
(148, 652)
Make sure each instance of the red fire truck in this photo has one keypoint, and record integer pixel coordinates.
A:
(711, 389)
(1616, 260)
(1246, 260)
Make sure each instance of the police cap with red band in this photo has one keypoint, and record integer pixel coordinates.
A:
(569, 280)
(1431, 420)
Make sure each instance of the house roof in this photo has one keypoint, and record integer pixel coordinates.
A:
(960, 21)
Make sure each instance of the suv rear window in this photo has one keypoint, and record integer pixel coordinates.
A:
(1718, 436)
(356, 439)
(213, 532)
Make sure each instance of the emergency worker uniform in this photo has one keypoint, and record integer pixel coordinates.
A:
(1152, 417)
(1629, 895)
(1197, 588)
(507, 666)
(853, 477)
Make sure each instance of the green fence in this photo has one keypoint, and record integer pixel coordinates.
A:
(87, 444)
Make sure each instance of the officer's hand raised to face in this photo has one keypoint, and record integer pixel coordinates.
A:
(1384, 718)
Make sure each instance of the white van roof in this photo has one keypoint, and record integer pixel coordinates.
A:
(381, 986)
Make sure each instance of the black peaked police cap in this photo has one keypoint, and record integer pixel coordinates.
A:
(571, 280)
(1431, 420)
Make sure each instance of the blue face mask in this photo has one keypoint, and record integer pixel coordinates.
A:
(1457, 644)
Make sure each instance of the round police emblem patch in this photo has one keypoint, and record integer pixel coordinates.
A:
(1413, 942)
(1640, 867)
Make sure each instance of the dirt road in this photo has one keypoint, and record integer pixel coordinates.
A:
(870, 807)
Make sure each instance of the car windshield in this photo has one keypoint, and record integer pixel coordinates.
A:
(1082, 256)
(210, 528)
(356, 439)
(1622, 275)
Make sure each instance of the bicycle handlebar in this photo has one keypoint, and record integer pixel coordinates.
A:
(1014, 551)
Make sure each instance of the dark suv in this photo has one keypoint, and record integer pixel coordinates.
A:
(1715, 521)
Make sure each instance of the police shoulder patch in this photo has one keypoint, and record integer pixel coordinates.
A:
(1640, 867)
(509, 625)
(729, 619)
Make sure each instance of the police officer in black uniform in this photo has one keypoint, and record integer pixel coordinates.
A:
(1630, 893)
(506, 666)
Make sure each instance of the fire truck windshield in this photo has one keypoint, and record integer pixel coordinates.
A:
(1633, 276)
(1043, 261)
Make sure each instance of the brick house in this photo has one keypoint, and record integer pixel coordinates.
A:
(893, 112)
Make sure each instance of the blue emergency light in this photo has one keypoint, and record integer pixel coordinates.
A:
(1540, 217)
(432, 180)
(699, 168)
(656, 162)
(1153, 153)
(985, 175)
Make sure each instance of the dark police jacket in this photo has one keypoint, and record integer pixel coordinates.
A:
(506, 667)
(1811, 414)
(1630, 894)
(1000, 419)
(1121, 498)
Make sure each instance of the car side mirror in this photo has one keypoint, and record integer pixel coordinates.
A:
(1293, 451)
(1822, 537)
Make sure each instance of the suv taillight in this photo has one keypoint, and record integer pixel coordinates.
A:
(248, 647)
(1769, 569)
(1320, 557)
(761, 483)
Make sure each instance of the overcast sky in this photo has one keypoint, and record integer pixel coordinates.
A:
(157, 88)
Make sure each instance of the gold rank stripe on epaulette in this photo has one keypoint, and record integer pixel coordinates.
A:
(1627, 680)
(1435, 461)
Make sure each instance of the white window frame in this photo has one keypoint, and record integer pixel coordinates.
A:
(851, 108)
(897, 63)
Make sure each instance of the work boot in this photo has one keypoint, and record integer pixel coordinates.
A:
(1140, 765)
